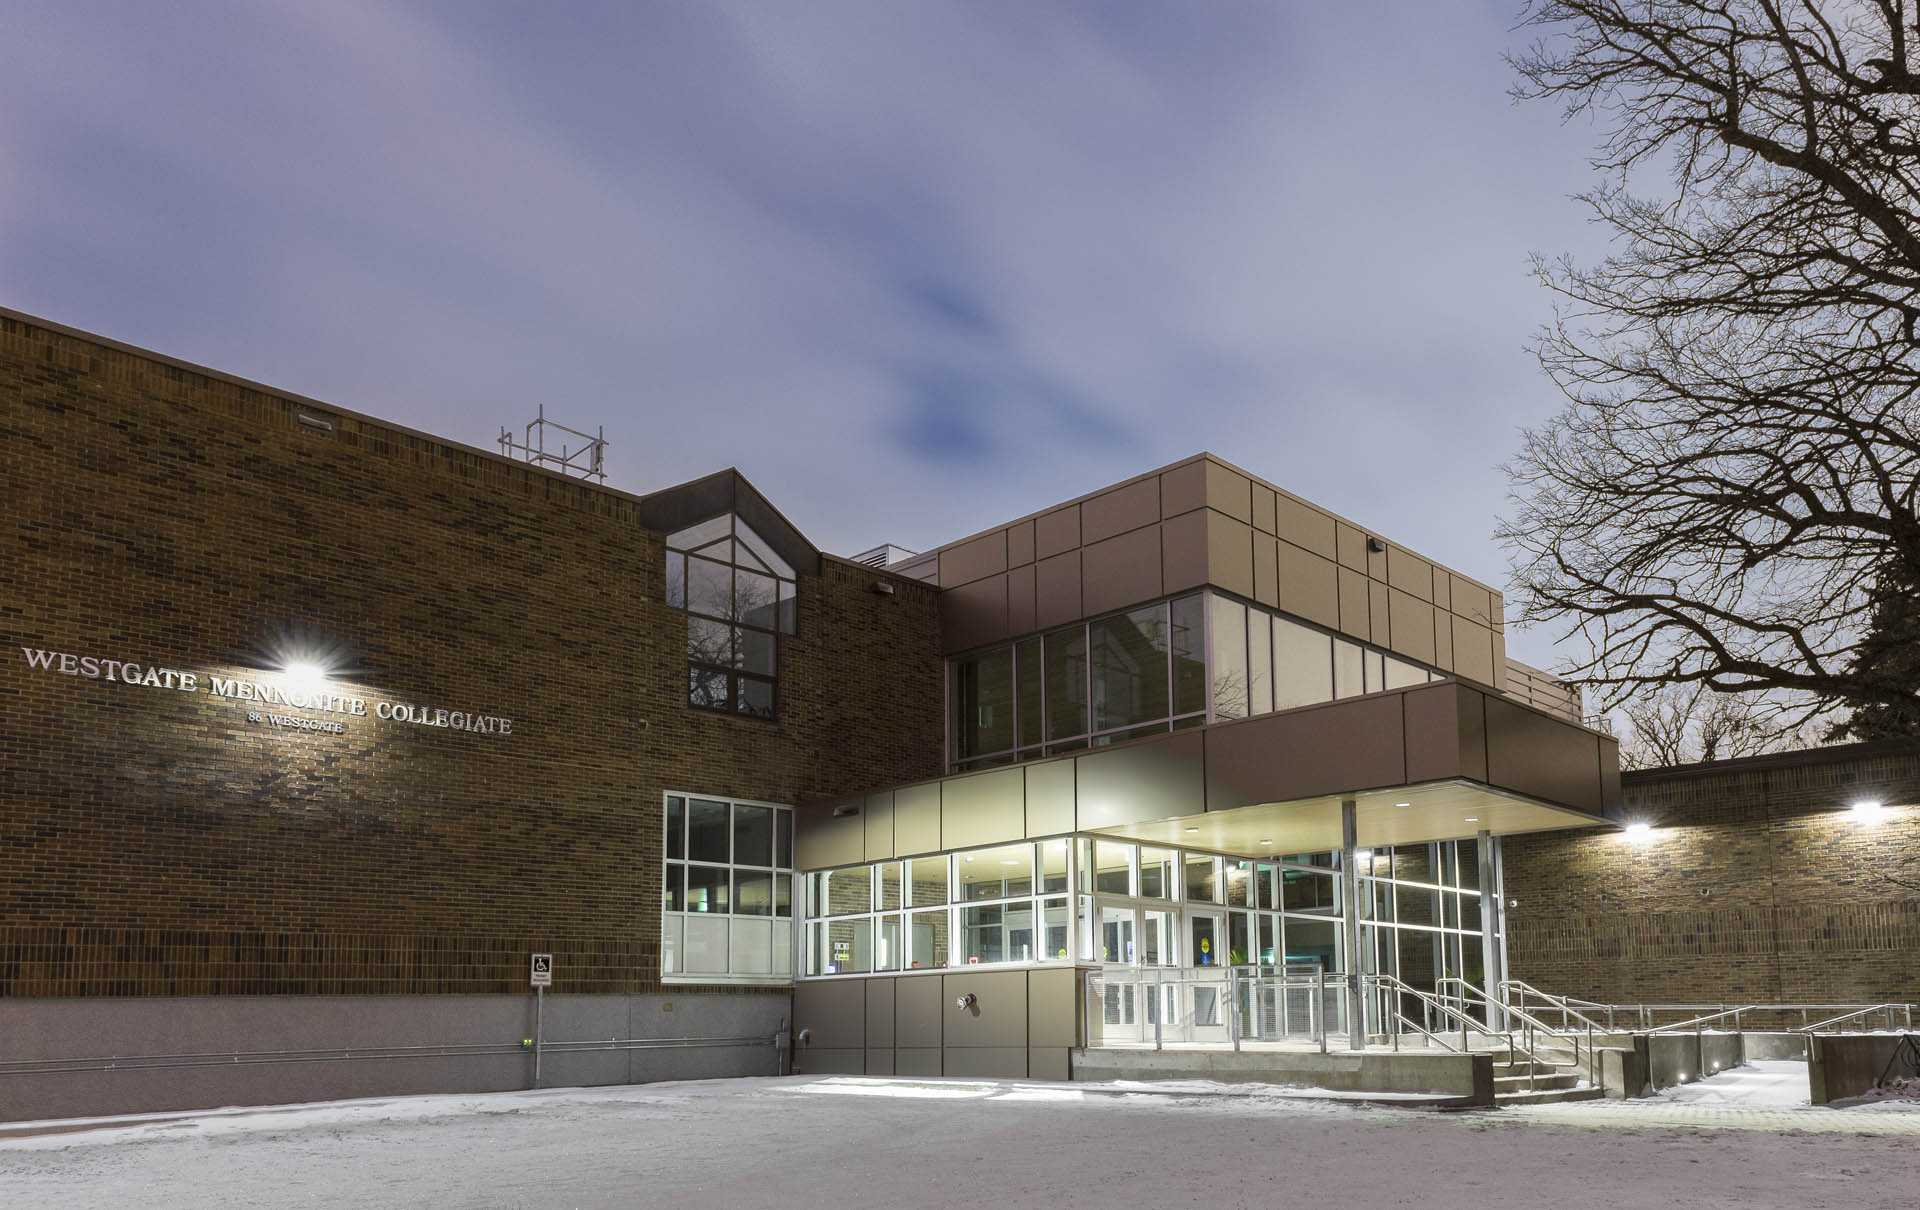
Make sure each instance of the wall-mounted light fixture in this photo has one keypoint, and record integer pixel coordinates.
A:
(1377, 545)
(1867, 810)
(1640, 832)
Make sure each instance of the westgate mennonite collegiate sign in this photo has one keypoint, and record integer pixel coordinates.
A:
(267, 693)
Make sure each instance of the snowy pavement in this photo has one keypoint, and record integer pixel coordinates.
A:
(846, 1142)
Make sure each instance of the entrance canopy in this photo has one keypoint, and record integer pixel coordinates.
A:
(1463, 758)
(1445, 810)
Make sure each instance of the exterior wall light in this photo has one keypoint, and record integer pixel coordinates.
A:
(304, 676)
(1640, 833)
(1867, 810)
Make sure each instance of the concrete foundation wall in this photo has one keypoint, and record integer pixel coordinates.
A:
(1466, 1076)
(217, 1028)
(1849, 1065)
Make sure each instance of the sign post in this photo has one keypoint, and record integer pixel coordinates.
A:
(540, 975)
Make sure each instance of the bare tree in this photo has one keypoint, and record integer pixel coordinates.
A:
(1736, 468)
(1681, 724)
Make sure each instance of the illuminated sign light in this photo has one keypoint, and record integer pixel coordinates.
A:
(309, 693)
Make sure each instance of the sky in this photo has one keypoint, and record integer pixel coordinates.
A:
(914, 267)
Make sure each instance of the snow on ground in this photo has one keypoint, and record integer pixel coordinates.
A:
(846, 1142)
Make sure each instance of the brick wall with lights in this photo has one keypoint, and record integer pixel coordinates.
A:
(1755, 880)
(158, 841)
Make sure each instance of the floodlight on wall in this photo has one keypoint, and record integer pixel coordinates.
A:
(1867, 810)
(305, 677)
(1377, 545)
(1640, 832)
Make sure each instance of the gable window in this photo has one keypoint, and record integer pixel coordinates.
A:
(739, 598)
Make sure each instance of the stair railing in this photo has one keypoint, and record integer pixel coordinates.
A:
(1861, 1015)
(1531, 1027)
(1568, 1006)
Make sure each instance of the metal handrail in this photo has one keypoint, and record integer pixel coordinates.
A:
(1467, 1023)
(1565, 1004)
(1860, 1014)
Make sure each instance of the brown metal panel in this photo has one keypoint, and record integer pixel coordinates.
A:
(1120, 571)
(1472, 602)
(1229, 492)
(880, 1062)
(1019, 544)
(1309, 586)
(834, 1011)
(877, 816)
(1443, 640)
(919, 1004)
(1021, 604)
(1379, 629)
(1184, 488)
(1377, 562)
(1150, 780)
(916, 1062)
(1305, 526)
(1539, 755)
(1053, 1007)
(1230, 553)
(1472, 650)
(1442, 588)
(1473, 732)
(1610, 793)
(1499, 650)
(1263, 508)
(1410, 626)
(1410, 573)
(1049, 1063)
(973, 560)
(974, 614)
(1433, 731)
(1266, 570)
(1057, 590)
(1353, 548)
(1122, 509)
(916, 819)
(1356, 618)
(823, 839)
(998, 1016)
(985, 1062)
(880, 1013)
(1050, 797)
(983, 808)
(1332, 749)
(839, 1061)
(1183, 551)
(1056, 532)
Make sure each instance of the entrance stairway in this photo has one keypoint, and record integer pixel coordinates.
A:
(1518, 1080)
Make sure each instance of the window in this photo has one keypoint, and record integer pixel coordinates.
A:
(727, 891)
(739, 597)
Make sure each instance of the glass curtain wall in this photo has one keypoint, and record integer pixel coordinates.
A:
(1098, 900)
(1147, 671)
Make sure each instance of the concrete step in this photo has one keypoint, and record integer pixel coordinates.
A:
(1551, 1096)
(1546, 1082)
(1521, 1069)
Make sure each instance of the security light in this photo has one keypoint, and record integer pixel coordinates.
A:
(1640, 831)
(304, 676)
(1867, 810)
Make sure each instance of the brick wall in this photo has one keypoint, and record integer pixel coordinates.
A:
(155, 842)
(1756, 885)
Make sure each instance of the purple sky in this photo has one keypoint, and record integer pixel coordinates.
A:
(915, 268)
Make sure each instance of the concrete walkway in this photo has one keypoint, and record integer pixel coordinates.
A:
(1763, 1095)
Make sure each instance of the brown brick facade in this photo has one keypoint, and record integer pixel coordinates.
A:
(1756, 885)
(156, 842)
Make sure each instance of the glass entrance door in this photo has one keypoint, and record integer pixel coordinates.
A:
(1208, 986)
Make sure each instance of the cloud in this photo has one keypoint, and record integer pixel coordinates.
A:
(914, 268)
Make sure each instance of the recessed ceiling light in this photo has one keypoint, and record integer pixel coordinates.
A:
(1011, 861)
(1266, 842)
(1403, 804)
(1473, 819)
(1193, 829)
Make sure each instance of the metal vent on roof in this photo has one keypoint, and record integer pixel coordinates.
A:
(884, 555)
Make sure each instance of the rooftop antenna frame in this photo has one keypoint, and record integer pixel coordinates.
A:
(586, 462)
